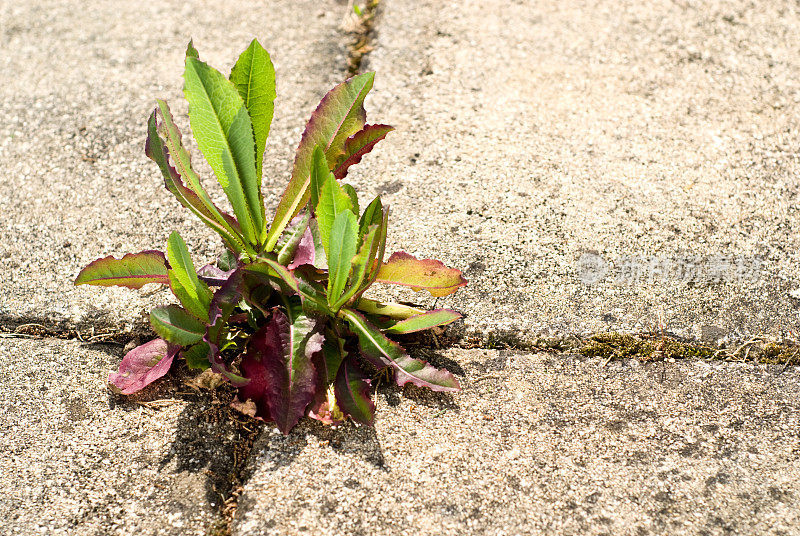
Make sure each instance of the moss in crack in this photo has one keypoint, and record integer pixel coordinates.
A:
(657, 348)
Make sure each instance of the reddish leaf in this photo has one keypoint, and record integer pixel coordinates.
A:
(352, 393)
(143, 365)
(339, 115)
(378, 349)
(279, 365)
(306, 251)
(428, 274)
(134, 270)
(358, 145)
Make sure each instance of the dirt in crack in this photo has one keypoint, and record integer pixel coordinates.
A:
(360, 24)
(211, 437)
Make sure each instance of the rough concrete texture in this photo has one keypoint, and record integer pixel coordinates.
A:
(532, 133)
(77, 461)
(539, 444)
(78, 84)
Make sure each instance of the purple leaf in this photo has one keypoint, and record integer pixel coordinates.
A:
(213, 275)
(358, 145)
(134, 270)
(222, 304)
(305, 252)
(143, 365)
(352, 393)
(279, 365)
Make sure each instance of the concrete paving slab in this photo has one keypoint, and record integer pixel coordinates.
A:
(77, 461)
(76, 86)
(545, 444)
(595, 166)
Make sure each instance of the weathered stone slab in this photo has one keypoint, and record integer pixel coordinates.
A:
(541, 444)
(76, 462)
(656, 140)
(77, 84)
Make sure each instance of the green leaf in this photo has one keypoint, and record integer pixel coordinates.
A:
(353, 195)
(392, 310)
(191, 52)
(381, 243)
(227, 261)
(134, 270)
(223, 130)
(352, 393)
(428, 274)
(361, 262)
(197, 356)
(165, 148)
(342, 249)
(437, 317)
(274, 270)
(193, 294)
(377, 347)
(332, 202)
(254, 78)
(177, 326)
(339, 115)
(319, 174)
(372, 215)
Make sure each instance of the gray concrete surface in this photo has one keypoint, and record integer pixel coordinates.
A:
(78, 462)
(532, 133)
(529, 134)
(78, 83)
(539, 444)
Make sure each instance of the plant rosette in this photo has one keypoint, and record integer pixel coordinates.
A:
(281, 314)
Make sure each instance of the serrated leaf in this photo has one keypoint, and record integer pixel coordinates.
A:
(143, 365)
(176, 325)
(341, 250)
(372, 215)
(196, 356)
(377, 347)
(428, 274)
(358, 145)
(279, 361)
(339, 115)
(164, 145)
(224, 132)
(254, 78)
(430, 319)
(353, 195)
(134, 270)
(193, 294)
(352, 393)
(290, 240)
(332, 202)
